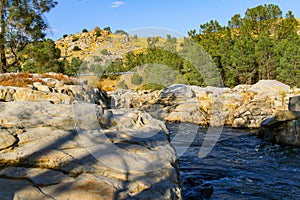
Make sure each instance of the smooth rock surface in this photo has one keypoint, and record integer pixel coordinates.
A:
(48, 153)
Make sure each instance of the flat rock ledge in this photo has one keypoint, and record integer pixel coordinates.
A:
(43, 156)
(284, 127)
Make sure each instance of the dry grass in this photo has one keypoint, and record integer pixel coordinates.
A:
(24, 79)
(19, 80)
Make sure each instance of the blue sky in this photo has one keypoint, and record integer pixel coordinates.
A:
(71, 16)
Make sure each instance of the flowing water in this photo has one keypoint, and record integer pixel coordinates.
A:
(240, 166)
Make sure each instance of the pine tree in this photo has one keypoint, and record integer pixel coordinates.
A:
(21, 21)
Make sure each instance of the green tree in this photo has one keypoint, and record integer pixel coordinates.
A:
(288, 70)
(261, 19)
(73, 67)
(21, 22)
(266, 57)
(121, 32)
(41, 56)
(244, 63)
(170, 44)
(288, 27)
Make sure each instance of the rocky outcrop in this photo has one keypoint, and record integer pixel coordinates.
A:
(242, 106)
(125, 156)
(284, 127)
(53, 90)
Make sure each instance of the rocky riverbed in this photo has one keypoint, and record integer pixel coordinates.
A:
(70, 141)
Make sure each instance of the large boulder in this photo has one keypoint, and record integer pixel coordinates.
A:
(294, 103)
(60, 151)
(283, 128)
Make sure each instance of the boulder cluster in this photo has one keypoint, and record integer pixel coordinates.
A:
(244, 106)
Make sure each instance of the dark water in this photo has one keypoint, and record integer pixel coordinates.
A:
(240, 166)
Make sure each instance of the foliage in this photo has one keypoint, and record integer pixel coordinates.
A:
(262, 44)
(75, 38)
(122, 85)
(97, 31)
(76, 48)
(21, 22)
(152, 86)
(136, 79)
(65, 35)
(121, 32)
(104, 52)
(73, 67)
(41, 56)
(97, 59)
(85, 30)
(107, 29)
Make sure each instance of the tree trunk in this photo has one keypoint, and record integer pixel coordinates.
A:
(2, 37)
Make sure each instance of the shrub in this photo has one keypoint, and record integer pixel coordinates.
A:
(104, 52)
(121, 32)
(76, 48)
(152, 86)
(97, 28)
(107, 29)
(65, 35)
(136, 79)
(122, 85)
(98, 34)
(97, 31)
(74, 39)
(85, 30)
(97, 59)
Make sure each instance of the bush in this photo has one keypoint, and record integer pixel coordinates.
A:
(97, 59)
(98, 31)
(85, 30)
(107, 29)
(136, 79)
(74, 39)
(98, 34)
(76, 48)
(121, 32)
(152, 86)
(122, 85)
(65, 35)
(104, 52)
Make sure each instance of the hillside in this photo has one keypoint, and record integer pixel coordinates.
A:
(102, 47)
(106, 45)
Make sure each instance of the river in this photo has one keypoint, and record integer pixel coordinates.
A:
(240, 166)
